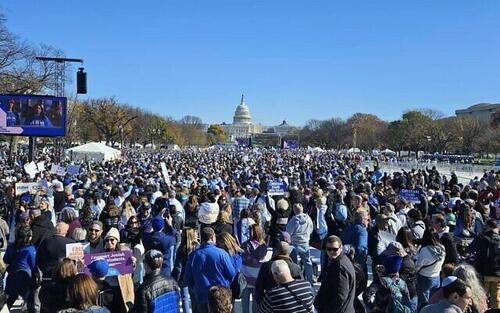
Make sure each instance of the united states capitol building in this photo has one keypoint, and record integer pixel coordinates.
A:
(242, 125)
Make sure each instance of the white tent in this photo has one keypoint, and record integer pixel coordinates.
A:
(388, 152)
(353, 150)
(93, 151)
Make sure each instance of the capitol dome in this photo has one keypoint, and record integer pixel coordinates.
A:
(242, 113)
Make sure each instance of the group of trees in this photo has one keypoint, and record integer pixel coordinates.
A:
(106, 119)
(417, 130)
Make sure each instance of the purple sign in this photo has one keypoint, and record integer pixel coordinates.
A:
(120, 262)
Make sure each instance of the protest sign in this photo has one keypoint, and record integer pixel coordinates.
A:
(27, 187)
(31, 169)
(276, 188)
(40, 166)
(120, 262)
(58, 170)
(73, 169)
(76, 251)
(164, 171)
(411, 195)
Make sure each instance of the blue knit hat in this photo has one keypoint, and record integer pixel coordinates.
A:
(158, 223)
(99, 268)
(392, 264)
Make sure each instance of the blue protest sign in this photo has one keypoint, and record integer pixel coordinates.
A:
(276, 188)
(411, 195)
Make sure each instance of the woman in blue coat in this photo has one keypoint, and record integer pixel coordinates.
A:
(21, 259)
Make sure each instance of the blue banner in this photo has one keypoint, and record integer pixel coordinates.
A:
(276, 188)
(411, 195)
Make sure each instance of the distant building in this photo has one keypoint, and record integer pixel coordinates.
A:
(242, 125)
(482, 111)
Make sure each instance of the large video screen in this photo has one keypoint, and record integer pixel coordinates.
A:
(266, 140)
(32, 115)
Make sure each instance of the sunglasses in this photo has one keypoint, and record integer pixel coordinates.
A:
(332, 249)
(94, 230)
(110, 240)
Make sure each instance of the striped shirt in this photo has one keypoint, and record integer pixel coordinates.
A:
(239, 204)
(294, 297)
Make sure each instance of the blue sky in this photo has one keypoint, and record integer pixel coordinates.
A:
(292, 59)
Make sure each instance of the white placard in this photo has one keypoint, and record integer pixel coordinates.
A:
(27, 187)
(58, 170)
(40, 166)
(31, 169)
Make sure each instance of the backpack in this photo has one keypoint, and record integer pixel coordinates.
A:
(398, 297)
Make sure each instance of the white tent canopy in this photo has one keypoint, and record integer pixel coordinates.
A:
(388, 152)
(353, 150)
(93, 151)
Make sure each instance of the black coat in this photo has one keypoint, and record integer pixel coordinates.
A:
(53, 295)
(41, 228)
(338, 289)
(450, 248)
(50, 251)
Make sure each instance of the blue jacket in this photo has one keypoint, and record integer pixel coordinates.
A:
(356, 235)
(22, 260)
(163, 242)
(208, 266)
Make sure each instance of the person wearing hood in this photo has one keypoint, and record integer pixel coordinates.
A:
(300, 228)
(429, 260)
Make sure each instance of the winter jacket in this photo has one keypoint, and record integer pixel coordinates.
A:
(487, 260)
(253, 257)
(208, 266)
(155, 291)
(444, 306)
(41, 228)
(162, 242)
(357, 236)
(338, 289)
(300, 228)
(429, 260)
(50, 251)
(22, 260)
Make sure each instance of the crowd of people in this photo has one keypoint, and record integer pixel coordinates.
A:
(206, 229)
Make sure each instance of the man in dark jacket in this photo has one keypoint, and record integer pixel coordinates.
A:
(338, 288)
(488, 261)
(162, 241)
(41, 227)
(157, 291)
(265, 280)
(52, 249)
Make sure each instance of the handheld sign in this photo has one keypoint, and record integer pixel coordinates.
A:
(411, 195)
(276, 188)
(27, 187)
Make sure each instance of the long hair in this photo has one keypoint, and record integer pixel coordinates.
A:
(257, 234)
(429, 238)
(189, 240)
(82, 292)
(405, 238)
(468, 274)
(66, 269)
(227, 242)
